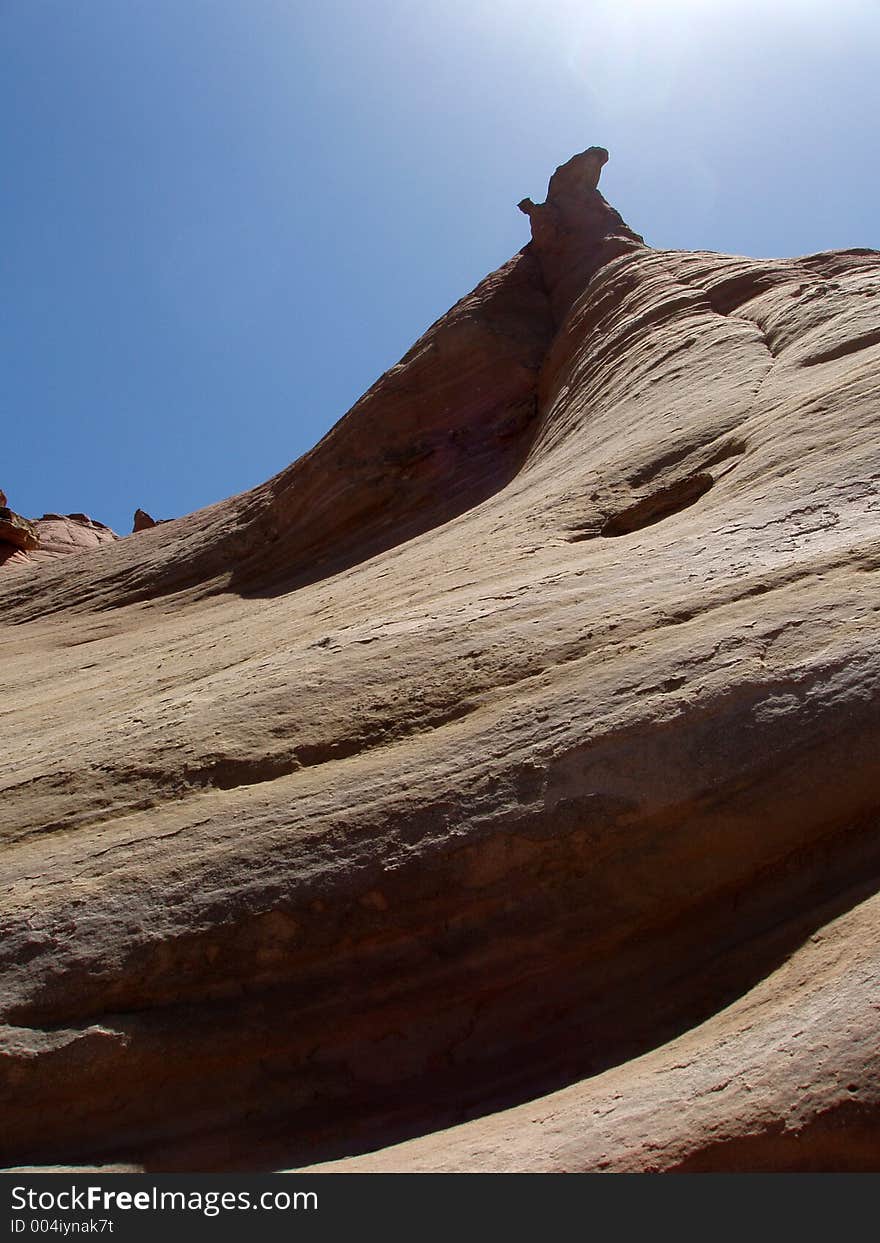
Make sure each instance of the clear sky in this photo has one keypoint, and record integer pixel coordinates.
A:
(223, 219)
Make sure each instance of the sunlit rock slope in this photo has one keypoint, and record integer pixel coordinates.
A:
(507, 764)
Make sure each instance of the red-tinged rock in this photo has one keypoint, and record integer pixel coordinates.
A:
(17, 531)
(12, 557)
(575, 231)
(64, 534)
(142, 521)
(516, 744)
(58, 535)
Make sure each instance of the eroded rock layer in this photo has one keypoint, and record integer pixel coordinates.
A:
(523, 734)
(50, 537)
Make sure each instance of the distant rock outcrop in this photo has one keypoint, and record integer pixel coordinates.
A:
(516, 744)
(143, 521)
(45, 539)
(575, 231)
(63, 534)
(17, 531)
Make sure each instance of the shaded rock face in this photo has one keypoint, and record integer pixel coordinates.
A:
(17, 531)
(142, 521)
(575, 232)
(518, 743)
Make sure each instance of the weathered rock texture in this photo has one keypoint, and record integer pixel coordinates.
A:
(17, 531)
(50, 537)
(64, 534)
(518, 743)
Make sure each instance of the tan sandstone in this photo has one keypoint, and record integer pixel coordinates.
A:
(497, 786)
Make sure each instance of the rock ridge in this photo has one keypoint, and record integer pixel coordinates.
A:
(547, 684)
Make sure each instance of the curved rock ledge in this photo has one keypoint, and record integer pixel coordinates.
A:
(520, 739)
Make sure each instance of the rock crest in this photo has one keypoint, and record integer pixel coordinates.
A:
(575, 231)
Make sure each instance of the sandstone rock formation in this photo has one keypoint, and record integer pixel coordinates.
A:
(52, 536)
(143, 521)
(18, 536)
(63, 534)
(507, 764)
(17, 531)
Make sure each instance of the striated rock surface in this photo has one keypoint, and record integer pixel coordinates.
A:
(507, 764)
(63, 534)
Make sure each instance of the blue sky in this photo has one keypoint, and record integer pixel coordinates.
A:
(223, 219)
